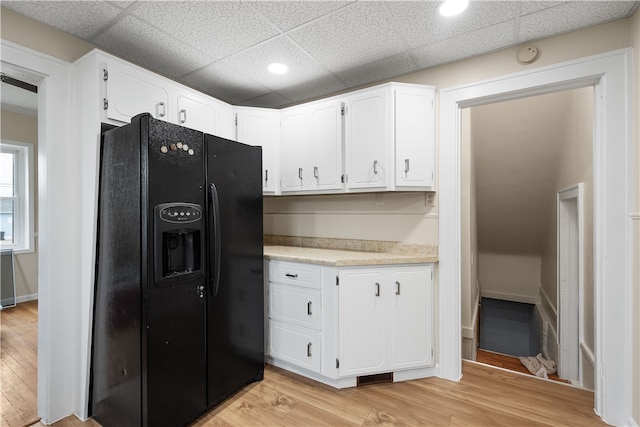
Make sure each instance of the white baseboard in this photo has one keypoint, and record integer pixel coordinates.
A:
(25, 298)
(511, 297)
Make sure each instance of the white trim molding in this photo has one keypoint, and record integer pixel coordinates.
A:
(58, 282)
(611, 76)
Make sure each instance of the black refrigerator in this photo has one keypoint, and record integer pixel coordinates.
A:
(178, 320)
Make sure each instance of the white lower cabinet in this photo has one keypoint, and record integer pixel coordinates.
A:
(337, 324)
(386, 319)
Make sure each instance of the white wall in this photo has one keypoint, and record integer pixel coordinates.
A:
(24, 128)
(509, 277)
(635, 41)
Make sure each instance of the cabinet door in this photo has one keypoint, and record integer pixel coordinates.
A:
(414, 137)
(293, 143)
(411, 318)
(295, 305)
(367, 138)
(362, 322)
(131, 91)
(296, 345)
(325, 145)
(261, 127)
(197, 112)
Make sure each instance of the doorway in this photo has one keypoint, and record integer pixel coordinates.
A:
(19, 133)
(521, 153)
(613, 190)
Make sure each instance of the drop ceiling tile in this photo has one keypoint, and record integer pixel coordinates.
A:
(143, 44)
(527, 7)
(253, 64)
(420, 23)
(465, 45)
(270, 100)
(217, 28)
(226, 83)
(352, 36)
(290, 14)
(571, 16)
(379, 70)
(80, 18)
(315, 88)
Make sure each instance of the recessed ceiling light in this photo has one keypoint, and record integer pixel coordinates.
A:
(277, 68)
(453, 7)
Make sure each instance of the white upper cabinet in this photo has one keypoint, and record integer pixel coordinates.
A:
(132, 91)
(294, 172)
(197, 112)
(261, 127)
(368, 134)
(325, 145)
(389, 140)
(311, 147)
(414, 138)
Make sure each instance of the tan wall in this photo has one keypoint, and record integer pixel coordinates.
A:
(32, 34)
(23, 128)
(635, 42)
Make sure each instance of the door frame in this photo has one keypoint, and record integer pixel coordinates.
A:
(571, 240)
(611, 76)
(58, 282)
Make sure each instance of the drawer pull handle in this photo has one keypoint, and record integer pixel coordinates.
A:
(397, 288)
(375, 167)
(309, 308)
(300, 173)
(308, 349)
(377, 289)
(406, 165)
(183, 116)
(315, 172)
(160, 110)
(295, 276)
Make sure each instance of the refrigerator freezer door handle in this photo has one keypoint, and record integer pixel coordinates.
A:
(214, 276)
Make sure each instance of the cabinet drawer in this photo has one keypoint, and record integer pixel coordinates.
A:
(299, 346)
(295, 273)
(295, 305)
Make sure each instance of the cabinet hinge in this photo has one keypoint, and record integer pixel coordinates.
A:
(105, 74)
(337, 281)
(105, 104)
(337, 363)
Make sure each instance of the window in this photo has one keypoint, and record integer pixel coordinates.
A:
(16, 196)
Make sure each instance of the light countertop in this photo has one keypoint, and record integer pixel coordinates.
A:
(342, 257)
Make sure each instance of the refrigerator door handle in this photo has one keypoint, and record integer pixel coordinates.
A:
(214, 278)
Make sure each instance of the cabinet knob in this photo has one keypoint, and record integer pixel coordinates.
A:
(160, 109)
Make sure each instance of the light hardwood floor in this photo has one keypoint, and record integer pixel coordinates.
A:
(484, 397)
